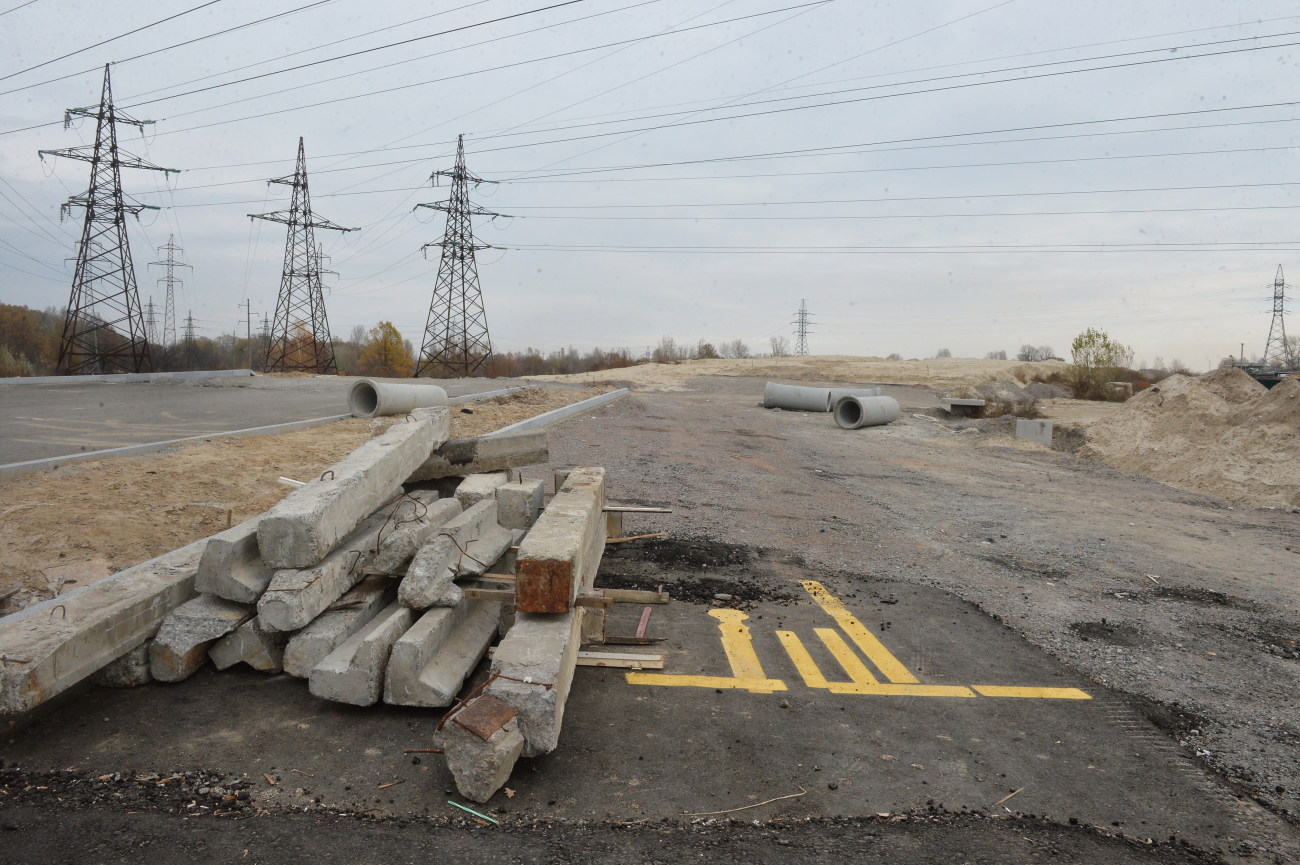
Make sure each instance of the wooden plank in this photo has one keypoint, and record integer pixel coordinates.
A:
(648, 537)
(593, 600)
(633, 641)
(506, 595)
(622, 660)
(636, 596)
(620, 509)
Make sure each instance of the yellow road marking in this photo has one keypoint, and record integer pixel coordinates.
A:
(858, 672)
(895, 690)
(803, 662)
(891, 667)
(747, 671)
(1033, 693)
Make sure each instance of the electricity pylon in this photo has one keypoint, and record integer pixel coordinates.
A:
(801, 329)
(170, 281)
(1277, 351)
(151, 322)
(190, 349)
(104, 330)
(300, 333)
(456, 341)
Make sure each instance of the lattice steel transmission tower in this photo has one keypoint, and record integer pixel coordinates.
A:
(104, 330)
(456, 341)
(300, 332)
(1277, 351)
(801, 329)
(169, 249)
(151, 322)
(189, 350)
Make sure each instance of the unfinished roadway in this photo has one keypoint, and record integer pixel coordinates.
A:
(908, 642)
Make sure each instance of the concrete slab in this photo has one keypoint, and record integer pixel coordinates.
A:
(231, 566)
(435, 565)
(1039, 431)
(250, 644)
(462, 457)
(51, 646)
(442, 678)
(355, 609)
(475, 488)
(309, 522)
(414, 650)
(354, 672)
(414, 520)
(518, 504)
(538, 655)
(181, 645)
(560, 555)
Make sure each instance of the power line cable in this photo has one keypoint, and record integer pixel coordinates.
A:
(19, 6)
(112, 39)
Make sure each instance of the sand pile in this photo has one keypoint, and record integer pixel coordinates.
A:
(1222, 434)
(941, 373)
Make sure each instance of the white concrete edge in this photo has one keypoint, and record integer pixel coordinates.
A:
(127, 377)
(16, 470)
(457, 400)
(555, 416)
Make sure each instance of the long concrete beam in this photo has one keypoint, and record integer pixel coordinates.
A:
(560, 554)
(49, 647)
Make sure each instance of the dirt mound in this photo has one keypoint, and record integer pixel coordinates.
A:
(1044, 390)
(1221, 434)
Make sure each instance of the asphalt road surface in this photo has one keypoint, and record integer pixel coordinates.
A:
(38, 421)
(871, 657)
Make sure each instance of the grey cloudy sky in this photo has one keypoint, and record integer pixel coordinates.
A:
(970, 185)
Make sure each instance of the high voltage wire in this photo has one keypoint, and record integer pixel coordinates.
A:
(177, 45)
(19, 6)
(112, 39)
(445, 78)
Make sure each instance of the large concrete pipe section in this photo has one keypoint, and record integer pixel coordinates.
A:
(853, 412)
(796, 398)
(839, 393)
(376, 398)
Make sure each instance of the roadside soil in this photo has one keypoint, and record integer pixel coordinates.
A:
(65, 528)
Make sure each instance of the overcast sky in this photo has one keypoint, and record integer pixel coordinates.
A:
(970, 185)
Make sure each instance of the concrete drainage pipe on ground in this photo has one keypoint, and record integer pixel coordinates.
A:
(853, 412)
(376, 398)
(797, 398)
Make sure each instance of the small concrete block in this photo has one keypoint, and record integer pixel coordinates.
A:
(181, 644)
(444, 675)
(482, 767)
(475, 488)
(232, 567)
(250, 643)
(1039, 431)
(539, 650)
(559, 556)
(435, 565)
(414, 650)
(129, 671)
(414, 520)
(354, 672)
(309, 522)
(593, 626)
(298, 595)
(355, 609)
(485, 454)
(518, 504)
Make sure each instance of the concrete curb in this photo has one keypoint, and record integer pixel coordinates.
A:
(457, 400)
(114, 378)
(16, 470)
(553, 417)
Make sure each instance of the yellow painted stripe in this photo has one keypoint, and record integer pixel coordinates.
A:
(1032, 693)
(738, 644)
(759, 686)
(803, 662)
(858, 672)
(895, 690)
(875, 650)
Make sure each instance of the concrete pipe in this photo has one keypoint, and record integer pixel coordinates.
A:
(376, 398)
(839, 393)
(791, 396)
(853, 412)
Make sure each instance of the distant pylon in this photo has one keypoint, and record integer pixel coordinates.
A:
(151, 322)
(104, 330)
(456, 341)
(189, 350)
(300, 333)
(170, 281)
(1277, 351)
(801, 329)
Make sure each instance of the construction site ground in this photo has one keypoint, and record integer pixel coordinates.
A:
(1102, 669)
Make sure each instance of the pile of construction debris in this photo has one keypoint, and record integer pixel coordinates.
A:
(387, 578)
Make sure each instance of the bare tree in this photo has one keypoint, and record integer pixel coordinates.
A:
(736, 348)
(1034, 352)
(943, 352)
(780, 346)
(666, 351)
(996, 355)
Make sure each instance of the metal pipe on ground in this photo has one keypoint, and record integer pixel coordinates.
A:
(369, 398)
(798, 398)
(854, 412)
